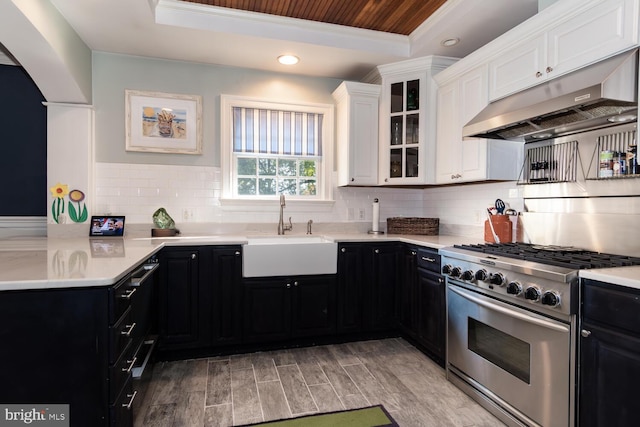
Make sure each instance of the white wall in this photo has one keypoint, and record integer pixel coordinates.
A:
(112, 74)
(136, 184)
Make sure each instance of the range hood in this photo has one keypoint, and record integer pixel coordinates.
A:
(596, 96)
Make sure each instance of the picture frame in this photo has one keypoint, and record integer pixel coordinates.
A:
(158, 122)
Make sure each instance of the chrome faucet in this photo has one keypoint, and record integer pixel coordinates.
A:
(281, 225)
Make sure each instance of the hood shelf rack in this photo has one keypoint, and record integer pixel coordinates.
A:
(615, 157)
(548, 163)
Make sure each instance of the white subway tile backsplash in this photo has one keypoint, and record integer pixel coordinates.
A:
(137, 190)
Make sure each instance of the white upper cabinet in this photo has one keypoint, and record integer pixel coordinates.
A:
(601, 29)
(357, 132)
(460, 161)
(408, 121)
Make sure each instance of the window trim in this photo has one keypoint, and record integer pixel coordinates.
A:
(325, 173)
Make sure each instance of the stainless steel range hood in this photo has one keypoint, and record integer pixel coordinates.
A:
(596, 96)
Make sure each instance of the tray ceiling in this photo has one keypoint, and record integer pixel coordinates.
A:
(391, 16)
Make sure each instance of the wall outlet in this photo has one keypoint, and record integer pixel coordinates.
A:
(187, 214)
(361, 214)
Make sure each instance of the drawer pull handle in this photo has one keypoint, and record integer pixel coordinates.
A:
(585, 333)
(128, 293)
(414, 253)
(131, 363)
(424, 258)
(128, 332)
(132, 398)
(343, 250)
(237, 252)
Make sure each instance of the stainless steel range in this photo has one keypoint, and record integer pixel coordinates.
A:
(511, 327)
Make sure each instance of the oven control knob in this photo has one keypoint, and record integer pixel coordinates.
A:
(446, 269)
(482, 275)
(455, 272)
(497, 279)
(550, 298)
(532, 293)
(514, 288)
(467, 275)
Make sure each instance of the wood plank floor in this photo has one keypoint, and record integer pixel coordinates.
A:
(249, 388)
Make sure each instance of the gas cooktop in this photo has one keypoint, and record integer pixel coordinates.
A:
(559, 256)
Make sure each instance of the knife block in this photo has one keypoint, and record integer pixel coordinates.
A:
(502, 226)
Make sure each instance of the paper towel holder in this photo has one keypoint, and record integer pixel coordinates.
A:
(375, 224)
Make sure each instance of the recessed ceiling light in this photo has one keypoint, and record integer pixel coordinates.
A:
(450, 42)
(288, 59)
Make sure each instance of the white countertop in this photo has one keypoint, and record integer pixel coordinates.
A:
(50, 263)
(622, 276)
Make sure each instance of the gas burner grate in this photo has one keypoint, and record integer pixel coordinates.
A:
(559, 256)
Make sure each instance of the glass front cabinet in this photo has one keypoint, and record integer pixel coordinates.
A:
(408, 121)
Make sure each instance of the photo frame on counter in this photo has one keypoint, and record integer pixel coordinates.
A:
(158, 122)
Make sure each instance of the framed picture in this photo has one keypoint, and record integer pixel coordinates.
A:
(163, 122)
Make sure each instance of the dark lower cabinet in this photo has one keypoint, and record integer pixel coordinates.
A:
(421, 308)
(382, 263)
(200, 298)
(368, 274)
(350, 283)
(281, 308)
(75, 346)
(609, 355)
(226, 304)
(180, 292)
(431, 314)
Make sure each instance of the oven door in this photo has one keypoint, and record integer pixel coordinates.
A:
(519, 359)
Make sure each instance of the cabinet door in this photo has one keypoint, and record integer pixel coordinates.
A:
(380, 287)
(314, 306)
(349, 304)
(609, 378)
(179, 298)
(474, 97)
(357, 133)
(431, 312)
(461, 160)
(449, 134)
(267, 309)
(597, 33)
(407, 313)
(227, 295)
(402, 134)
(518, 68)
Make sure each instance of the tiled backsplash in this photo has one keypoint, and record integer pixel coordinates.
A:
(191, 194)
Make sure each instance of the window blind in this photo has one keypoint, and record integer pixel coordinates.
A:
(287, 133)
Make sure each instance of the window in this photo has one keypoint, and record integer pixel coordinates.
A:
(272, 148)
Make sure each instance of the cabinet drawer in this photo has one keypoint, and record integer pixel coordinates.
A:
(120, 336)
(613, 306)
(429, 259)
(120, 372)
(120, 299)
(120, 412)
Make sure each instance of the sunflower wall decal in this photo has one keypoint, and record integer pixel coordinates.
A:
(58, 192)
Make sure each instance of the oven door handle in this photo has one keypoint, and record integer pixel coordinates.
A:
(509, 312)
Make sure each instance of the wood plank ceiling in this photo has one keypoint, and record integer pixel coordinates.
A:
(391, 16)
